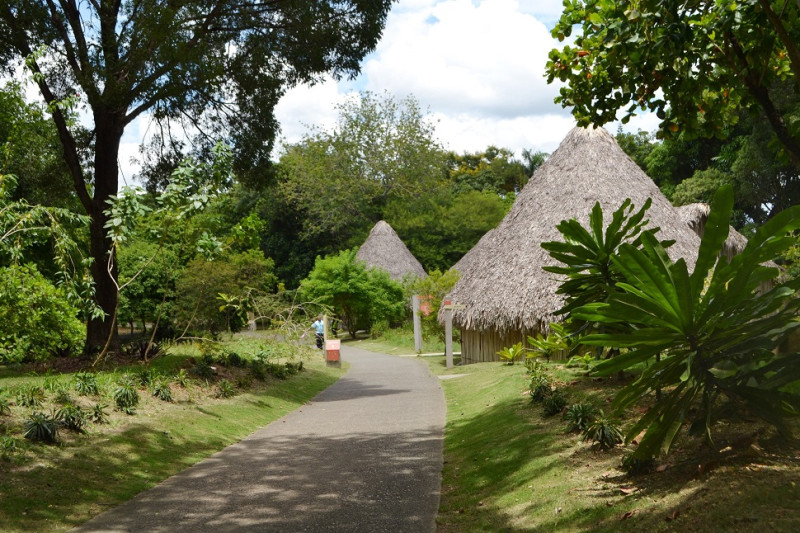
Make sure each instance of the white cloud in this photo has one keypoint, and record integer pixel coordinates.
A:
(478, 67)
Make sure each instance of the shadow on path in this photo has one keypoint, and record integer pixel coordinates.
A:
(365, 455)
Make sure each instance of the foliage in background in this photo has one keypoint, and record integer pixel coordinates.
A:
(37, 320)
(432, 289)
(715, 329)
(695, 66)
(341, 180)
(359, 296)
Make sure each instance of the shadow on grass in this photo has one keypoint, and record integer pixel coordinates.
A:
(509, 469)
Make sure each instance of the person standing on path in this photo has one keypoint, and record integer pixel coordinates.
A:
(319, 331)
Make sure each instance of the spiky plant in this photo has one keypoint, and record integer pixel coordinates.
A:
(40, 427)
(226, 389)
(86, 384)
(603, 433)
(30, 396)
(126, 397)
(98, 413)
(162, 390)
(579, 416)
(71, 417)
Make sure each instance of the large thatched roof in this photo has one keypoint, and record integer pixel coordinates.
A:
(696, 215)
(384, 249)
(502, 285)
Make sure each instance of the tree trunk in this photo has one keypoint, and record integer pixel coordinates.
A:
(100, 332)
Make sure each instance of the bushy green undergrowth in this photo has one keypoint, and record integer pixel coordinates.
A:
(99, 448)
(508, 467)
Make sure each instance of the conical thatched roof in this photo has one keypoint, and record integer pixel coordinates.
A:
(384, 249)
(502, 285)
(696, 215)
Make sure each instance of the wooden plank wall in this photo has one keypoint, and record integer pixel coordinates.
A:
(482, 346)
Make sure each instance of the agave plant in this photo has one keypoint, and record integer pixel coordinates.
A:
(716, 329)
(40, 427)
(86, 384)
(579, 416)
(603, 433)
(126, 397)
(71, 417)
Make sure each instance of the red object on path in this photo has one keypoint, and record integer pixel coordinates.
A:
(332, 348)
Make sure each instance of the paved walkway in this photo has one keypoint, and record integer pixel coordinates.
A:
(364, 455)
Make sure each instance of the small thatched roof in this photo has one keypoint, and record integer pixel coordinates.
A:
(696, 215)
(502, 285)
(384, 249)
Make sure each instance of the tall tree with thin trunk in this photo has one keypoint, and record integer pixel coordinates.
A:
(218, 65)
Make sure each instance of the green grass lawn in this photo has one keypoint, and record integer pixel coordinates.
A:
(56, 487)
(507, 467)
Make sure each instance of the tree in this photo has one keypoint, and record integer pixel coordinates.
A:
(493, 170)
(441, 227)
(360, 296)
(695, 64)
(227, 61)
(340, 181)
(30, 150)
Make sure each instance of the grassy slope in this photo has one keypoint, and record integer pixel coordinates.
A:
(58, 487)
(508, 468)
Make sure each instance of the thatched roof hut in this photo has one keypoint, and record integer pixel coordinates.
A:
(384, 249)
(696, 215)
(505, 294)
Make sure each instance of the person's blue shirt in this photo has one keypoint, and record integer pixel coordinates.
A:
(319, 327)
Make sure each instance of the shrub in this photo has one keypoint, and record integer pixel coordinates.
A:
(40, 428)
(204, 369)
(126, 397)
(30, 396)
(71, 417)
(162, 390)
(62, 396)
(182, 378)
(143, 350)
(554, 403)
(225, 389)
(36, 320)
(244, 382)
(98, 413)
(5, 405)
(540, 388)
(579, 416)
(603, 433)
(633, 464)
(86, 384)
(144, 376)
(235, 360)
(258, 369)
(9, 446)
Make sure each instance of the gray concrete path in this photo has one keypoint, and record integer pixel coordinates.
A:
(364, 455)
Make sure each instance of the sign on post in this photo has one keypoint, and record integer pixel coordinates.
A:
(417, 324)
(448, 307)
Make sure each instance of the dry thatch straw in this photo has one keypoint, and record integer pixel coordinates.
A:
(502, 286)
(384, 249)
(696, 215)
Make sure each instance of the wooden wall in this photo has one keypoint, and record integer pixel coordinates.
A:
(482, 346)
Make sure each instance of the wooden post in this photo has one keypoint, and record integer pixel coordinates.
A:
(448, 333)
(325, 330)
(417, 324)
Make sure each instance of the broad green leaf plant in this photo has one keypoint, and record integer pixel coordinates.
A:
(586, 256)
(716, 328)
